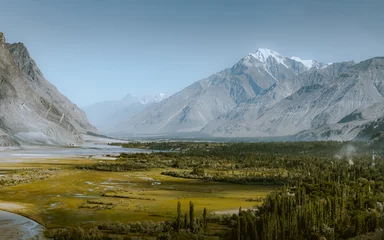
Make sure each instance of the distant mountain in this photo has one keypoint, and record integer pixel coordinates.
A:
(151, 98)
(202, 103)
(32, 110)
(268, 95)
(107, 115)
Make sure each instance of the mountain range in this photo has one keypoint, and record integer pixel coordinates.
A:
(108, 115)
(263, 95)
(32, 110)
(268, 95)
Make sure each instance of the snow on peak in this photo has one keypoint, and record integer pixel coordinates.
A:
(310, 63)
(307, 63)
(146, 99)
(153, 98)
(263, 54)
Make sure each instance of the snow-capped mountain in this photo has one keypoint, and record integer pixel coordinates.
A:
(32, 110)
(107, 115)
(203, 102)
(266, 94)
(333, 109)
(145, 99)
(151, 98)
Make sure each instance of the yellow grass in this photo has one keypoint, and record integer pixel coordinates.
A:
(55, 202)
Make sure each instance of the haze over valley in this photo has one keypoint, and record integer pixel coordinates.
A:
(108, 115)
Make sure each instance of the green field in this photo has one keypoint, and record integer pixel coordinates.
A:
(69, 198)
(195, 190)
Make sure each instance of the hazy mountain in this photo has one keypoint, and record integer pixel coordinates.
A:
(107, 115)
(152, 98)
(194, 107)
(32, 110)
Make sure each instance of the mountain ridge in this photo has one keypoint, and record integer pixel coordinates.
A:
(33, 111)
(266, 95)
(205, 100)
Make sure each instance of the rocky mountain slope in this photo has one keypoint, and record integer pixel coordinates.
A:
(191, 109)
(333, 109)
(108, 115)
(268, 95)
(253, 117)
(359, 97)
(32, 109)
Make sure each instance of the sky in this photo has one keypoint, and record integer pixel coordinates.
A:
(96, 50)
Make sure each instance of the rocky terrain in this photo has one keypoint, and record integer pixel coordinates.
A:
(266, 95)
(263, 95)
(32, 110)
(191, 109)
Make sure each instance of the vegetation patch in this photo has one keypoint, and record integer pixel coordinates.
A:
(28, 175)
(119, 194)
(99, 205)
(306, 190)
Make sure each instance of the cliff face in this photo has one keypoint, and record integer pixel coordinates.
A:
(32, 110)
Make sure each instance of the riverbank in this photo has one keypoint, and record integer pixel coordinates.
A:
(17, 227)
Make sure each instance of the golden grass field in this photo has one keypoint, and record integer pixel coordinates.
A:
(61, 201)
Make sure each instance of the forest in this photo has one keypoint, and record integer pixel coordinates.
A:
(324, 190)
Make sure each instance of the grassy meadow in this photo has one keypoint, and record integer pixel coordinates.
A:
(73, 197)
(195, 190)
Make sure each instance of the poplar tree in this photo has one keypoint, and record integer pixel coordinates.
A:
(205, 223)
(178, 218)
(191, 215)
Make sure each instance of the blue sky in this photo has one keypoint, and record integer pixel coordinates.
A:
(95, 50)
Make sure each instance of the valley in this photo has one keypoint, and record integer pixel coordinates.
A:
(135, 193)
(57, 192)
(168, 120)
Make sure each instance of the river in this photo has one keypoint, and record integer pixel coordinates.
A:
(44, 152)
(17, 227)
